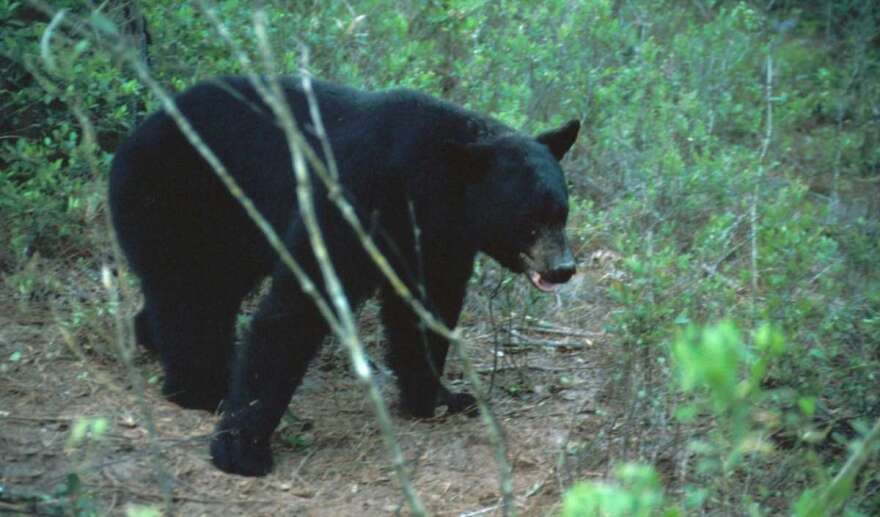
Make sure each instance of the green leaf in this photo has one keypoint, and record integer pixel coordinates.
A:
(682, 318)
(99, 427)
(102, 23)
(80, 427)
(686, 413)
(142, 511)
(807, 405)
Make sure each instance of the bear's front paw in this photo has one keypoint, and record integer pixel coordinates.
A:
(461, 403)
(233, 451)
(420, 408)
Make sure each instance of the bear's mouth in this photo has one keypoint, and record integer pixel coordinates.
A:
(536, 278)
(541, 283)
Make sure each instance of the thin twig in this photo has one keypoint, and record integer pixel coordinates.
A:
(348, 333)
(124, 335)
(753, 213)
(560, 331)
(834, 495)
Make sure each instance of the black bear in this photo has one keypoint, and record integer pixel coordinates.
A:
(410, 165)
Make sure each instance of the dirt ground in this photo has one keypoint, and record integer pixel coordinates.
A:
(329, 458)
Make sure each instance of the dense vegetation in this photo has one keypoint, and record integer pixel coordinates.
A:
(730, 158)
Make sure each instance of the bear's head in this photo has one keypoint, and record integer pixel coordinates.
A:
(517, 202)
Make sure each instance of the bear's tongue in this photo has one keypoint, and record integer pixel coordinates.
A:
(541, 284)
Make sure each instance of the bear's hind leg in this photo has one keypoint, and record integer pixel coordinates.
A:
(284, 336)
(194, 334)
(143, 334)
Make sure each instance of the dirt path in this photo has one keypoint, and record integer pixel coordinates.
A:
(329, 460)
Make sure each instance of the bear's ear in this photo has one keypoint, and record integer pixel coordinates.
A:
(560, 140)
(469, 161)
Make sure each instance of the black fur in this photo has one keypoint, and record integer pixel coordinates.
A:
(473, 184)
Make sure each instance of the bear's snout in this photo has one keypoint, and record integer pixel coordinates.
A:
(561, 273)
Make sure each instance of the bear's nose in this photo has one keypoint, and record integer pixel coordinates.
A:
(561, 273)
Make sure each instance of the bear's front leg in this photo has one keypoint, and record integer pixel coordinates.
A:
(284, 336)
(417, 356)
